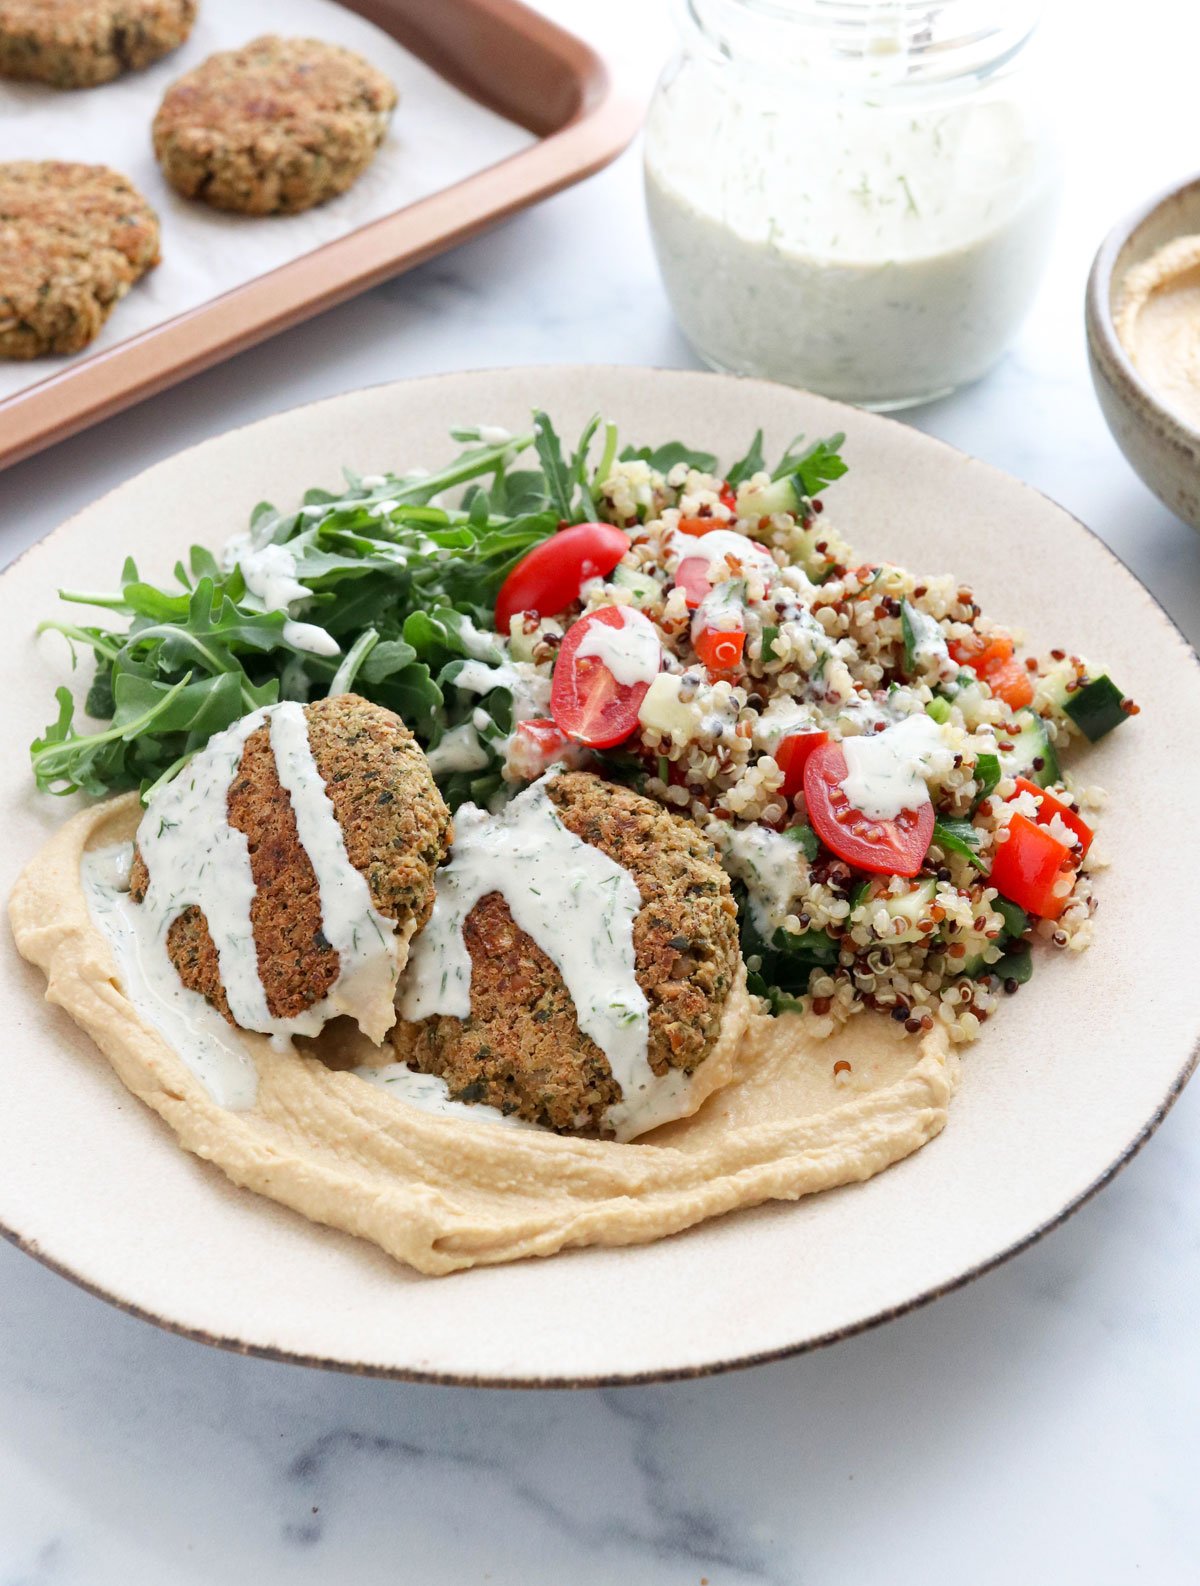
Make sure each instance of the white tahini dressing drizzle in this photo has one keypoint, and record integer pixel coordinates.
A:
(772, 867)
(929, 642)
(887, 771)
(365, 940)
(579, 907)
(631, 652)
(195, 857)
(270, 575)
(198, 1033)
(718, 544)
(431, 1093)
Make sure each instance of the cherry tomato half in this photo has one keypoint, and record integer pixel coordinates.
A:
(586, 700)
(549, 578)
(1010, 681)
(887, 847)
(791, 756)
(692, 577)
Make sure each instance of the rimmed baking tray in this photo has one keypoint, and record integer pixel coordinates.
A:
(498, 52)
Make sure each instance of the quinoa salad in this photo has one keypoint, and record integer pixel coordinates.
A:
(889, 783)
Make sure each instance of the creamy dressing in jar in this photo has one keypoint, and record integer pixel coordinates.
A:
(864, 213)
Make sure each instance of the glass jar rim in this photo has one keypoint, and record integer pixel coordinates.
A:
(886, 45)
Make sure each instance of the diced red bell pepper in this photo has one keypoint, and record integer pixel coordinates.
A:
(1028, 865)
(1050, 806)
(720, 648)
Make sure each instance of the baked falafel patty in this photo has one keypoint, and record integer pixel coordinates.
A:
(521, 1048)
(73, 240)
(395, 826)
(274, 127)
(79, 43)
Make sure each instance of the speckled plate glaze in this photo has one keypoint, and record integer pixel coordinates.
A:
(1064, 1086)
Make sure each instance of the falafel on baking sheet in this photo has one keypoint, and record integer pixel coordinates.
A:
(73, 240)
(393, 824)
(81, 43)
(274, 127)
(521, 1049)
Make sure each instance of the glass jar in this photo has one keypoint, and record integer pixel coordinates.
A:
(855, 196)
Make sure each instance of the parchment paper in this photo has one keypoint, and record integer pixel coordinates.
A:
(438, 136)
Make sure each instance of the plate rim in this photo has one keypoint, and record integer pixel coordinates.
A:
(233, 1345)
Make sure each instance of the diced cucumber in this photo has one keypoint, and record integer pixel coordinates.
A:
(780, 495)
(1097, 707)
(908, 907)
(641, 586)
(939, 709)
(1032, 754)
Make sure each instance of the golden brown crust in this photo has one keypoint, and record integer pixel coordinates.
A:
(396, 829)
(521, 1048)
(274, 127)
(80, 43)
(73, 240)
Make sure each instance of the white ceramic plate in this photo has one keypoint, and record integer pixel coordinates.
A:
(1066, 1083)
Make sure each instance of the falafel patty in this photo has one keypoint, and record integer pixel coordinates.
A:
(73, 240)
(79, 43)
(274, 127)
(521, 1048)
(395, 826)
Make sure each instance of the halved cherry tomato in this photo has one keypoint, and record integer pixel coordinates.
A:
(1049, 807)
(586, 701)
(536, 744)
(1011, 682)
(887, 847)
(549, 578)
(1028, 865)
(981, 652)
(720, 648)
(692, 577)
(791, 756)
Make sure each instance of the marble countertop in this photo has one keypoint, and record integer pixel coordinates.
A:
(1043, 1424)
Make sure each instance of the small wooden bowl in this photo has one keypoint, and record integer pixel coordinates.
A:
(1162, 448)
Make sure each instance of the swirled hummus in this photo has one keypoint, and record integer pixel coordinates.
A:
(1157, 320)
(438, 1185)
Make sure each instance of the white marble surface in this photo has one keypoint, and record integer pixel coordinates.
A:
(1043, 1425)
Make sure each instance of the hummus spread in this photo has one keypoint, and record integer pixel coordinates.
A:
(1157, 320)
(442, 1190)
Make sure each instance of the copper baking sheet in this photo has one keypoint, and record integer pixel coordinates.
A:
(502, 55)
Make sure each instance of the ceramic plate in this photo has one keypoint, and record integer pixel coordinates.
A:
(1066, 1083)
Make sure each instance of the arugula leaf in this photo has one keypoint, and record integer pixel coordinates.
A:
(958, 837)
(663, 458)
(987, 774)
(804, 837)
(752, 463)
(554, 465)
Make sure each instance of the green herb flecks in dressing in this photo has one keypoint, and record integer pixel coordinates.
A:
(197, 1033)
(431, 1093)
(770, 865)
(632, 652)
(364, 939)
(196, 858)
(886, 771)
(579, 907)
